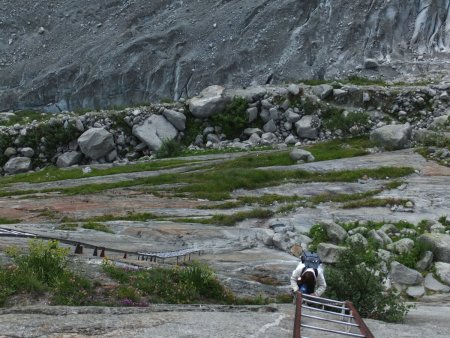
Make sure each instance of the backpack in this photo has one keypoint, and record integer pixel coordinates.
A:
(311, 261)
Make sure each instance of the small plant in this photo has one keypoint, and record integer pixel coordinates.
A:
(358, 276)
(233, 119)
(97, 226)
(4, 220)
(353, 123)
(411, 257)
(169, 148)
(318, 234)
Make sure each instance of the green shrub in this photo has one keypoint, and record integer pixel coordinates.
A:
(5, 142)
(358, 276)
(411, 257)
(97, 227)
(46, 261)
(169, 148)
(318, 234)
(71, 290)
(354, 123)
(234, 118)
(190, 284)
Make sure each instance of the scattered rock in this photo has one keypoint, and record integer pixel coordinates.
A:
(404, 275)
(95, 143)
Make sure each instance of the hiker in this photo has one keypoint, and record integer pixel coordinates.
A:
(308, 276)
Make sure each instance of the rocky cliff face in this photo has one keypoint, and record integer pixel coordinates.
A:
(67, 54)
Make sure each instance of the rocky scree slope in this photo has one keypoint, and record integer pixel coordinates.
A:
(68, 54)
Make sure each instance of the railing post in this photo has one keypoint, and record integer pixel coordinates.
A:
(298, 315)
(362, 326)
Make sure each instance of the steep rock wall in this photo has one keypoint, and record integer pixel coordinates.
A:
(70, 54)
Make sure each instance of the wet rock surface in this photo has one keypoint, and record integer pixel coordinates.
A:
(99, 54)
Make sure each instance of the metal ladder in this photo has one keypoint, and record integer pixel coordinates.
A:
(345, 315)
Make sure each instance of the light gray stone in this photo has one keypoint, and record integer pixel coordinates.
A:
(252, 114)
(68, 159)
(358, 238)
(335, 232)
(328, 252)
(27, 152)
(403, 245)
(301, 155)
(251, 131)
(440, 244)
(17, 165)
(404, 275)
(425, 262)
(177, 119)
(96, 143)
(10, 151)
(389, 228)
(386, 239)
(433, 284)
(308, 127)
(443, 272)
(375, 236)
(392, 136)
(154, 131)
(415, 291)
(270, 127)
(211, 101)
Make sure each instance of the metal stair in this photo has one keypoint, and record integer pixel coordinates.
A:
(322, 317)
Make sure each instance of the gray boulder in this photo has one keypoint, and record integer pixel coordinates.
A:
(358, 238)
(95, 143)
(401, 246)
(392, 136)
(27, 152)
(404, 275)
(270, 127)
(323, 91)
(68, 159)
(425, 261)
(154, 131)
(335, 232)
(251, 131)
(10, 151)
(291, 116)
(386, 239)
(433, 284)
(440, 244)
(329, 253)
(252, 114)
(176, 118)
(17, 165)
(212, 100)
(415, 291)
(443, 272)
(301, 155)
(308, 127)
(373, 234)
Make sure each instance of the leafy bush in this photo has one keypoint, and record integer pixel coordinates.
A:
(46, 261)
(97, 227)
(193, 283)
(318, 234)
(354, 123)
(234, 118)
(358, 276)
(169, 148)
(411, 257)
(5, 142)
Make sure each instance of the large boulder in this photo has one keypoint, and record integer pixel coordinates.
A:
(329, 253)
(392, 136)
(154, 131)
(95, 143)
(212, 100)
(176, 118)
(17, 165)
(68, 159)
(433, 284)
(404, 275)
(301, 155)
(308, 127)
(440, 244)
(335, 232)
(403, 245)
(443, 272)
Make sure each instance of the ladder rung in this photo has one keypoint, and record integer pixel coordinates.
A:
(304, 295)
(333, 331)
(328, 305)
(330, 320)
(325, 311)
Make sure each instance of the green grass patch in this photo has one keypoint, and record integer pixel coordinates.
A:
(139, 217)
(375, 202)
(51, 173)
(97, 227)
(5, 220)
(26, 116)
(345, 148)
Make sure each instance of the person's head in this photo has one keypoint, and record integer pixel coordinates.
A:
(309, 278)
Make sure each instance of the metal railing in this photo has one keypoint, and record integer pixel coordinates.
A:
(185, 254)
(337, 313)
